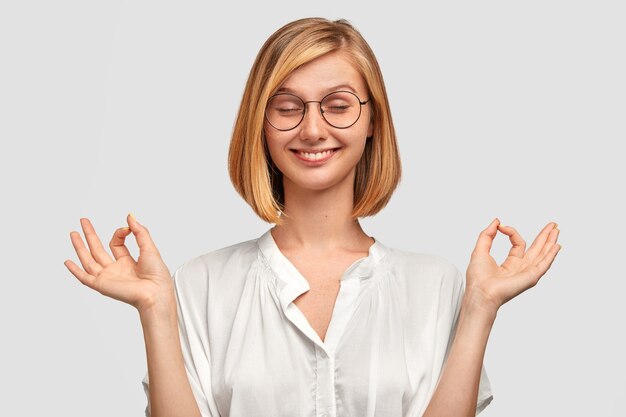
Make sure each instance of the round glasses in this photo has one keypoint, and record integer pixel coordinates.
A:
(340, 109)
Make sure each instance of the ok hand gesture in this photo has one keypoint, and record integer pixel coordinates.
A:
(142, 283)
(491, 285)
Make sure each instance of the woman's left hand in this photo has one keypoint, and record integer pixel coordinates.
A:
(490, 285)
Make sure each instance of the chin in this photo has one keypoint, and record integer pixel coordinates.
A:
(321, 183)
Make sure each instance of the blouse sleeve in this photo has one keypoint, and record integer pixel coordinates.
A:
(485, 396)
(191, 288)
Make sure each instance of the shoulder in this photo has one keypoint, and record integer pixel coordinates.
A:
(197, 270)
(424, 267)
(422, 261)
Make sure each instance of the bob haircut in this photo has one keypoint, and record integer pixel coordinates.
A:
(251, 169)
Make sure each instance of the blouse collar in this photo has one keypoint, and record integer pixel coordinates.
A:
(290, 282)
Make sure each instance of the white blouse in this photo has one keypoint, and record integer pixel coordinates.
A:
(249, 351)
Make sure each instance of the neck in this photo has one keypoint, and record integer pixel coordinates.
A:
(320, 220)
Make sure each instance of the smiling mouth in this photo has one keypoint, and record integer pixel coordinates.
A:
(315, 155)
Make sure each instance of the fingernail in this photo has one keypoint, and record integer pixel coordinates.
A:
(501, 225)
(555, 225)
(133, 217)
(125, 228)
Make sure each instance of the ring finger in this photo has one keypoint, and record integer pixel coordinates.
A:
(89, 264)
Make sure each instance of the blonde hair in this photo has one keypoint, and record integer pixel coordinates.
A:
(251, 170)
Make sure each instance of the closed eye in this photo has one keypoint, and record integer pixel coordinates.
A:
(286, 111)
(337, 109)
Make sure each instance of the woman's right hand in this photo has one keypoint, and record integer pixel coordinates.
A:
(143, 283)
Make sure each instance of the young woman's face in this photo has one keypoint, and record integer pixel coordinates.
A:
(315, 155)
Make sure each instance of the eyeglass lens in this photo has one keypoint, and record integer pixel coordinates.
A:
(340, 109)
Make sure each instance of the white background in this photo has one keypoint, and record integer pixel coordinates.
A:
(508, 109)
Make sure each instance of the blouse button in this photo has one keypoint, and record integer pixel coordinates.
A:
(321, 353)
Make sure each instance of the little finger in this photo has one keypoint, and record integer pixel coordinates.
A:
(83, 277)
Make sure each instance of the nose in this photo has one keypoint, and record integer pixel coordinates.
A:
(313, 126)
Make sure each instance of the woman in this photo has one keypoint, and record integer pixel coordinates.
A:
(315, 317)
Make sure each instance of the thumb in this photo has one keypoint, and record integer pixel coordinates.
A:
(144, 240)
(483, 245)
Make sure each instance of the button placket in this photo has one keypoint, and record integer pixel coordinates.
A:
(325, 395)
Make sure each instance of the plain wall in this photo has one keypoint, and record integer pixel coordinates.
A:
(507, 109)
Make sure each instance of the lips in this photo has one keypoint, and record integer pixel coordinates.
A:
(314, 155)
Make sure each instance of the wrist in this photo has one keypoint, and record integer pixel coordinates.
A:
(161, 309)
(478, 305)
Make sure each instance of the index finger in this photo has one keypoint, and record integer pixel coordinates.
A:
(518, 244)
(118, 248)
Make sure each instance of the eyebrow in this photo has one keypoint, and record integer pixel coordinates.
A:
(342, 86)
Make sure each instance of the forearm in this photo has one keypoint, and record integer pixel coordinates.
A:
(457, 391)
(170, 391)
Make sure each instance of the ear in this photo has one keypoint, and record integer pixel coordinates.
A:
(370, 129)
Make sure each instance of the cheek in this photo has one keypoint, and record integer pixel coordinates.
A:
(272, 153)
(275, 148)
(358, 138)
(270, 140)
(365, 125)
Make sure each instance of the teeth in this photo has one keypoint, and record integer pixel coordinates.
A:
(315, 156)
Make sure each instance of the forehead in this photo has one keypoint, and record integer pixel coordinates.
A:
(329, 72)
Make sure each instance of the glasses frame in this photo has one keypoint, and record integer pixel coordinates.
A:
(319, 102)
